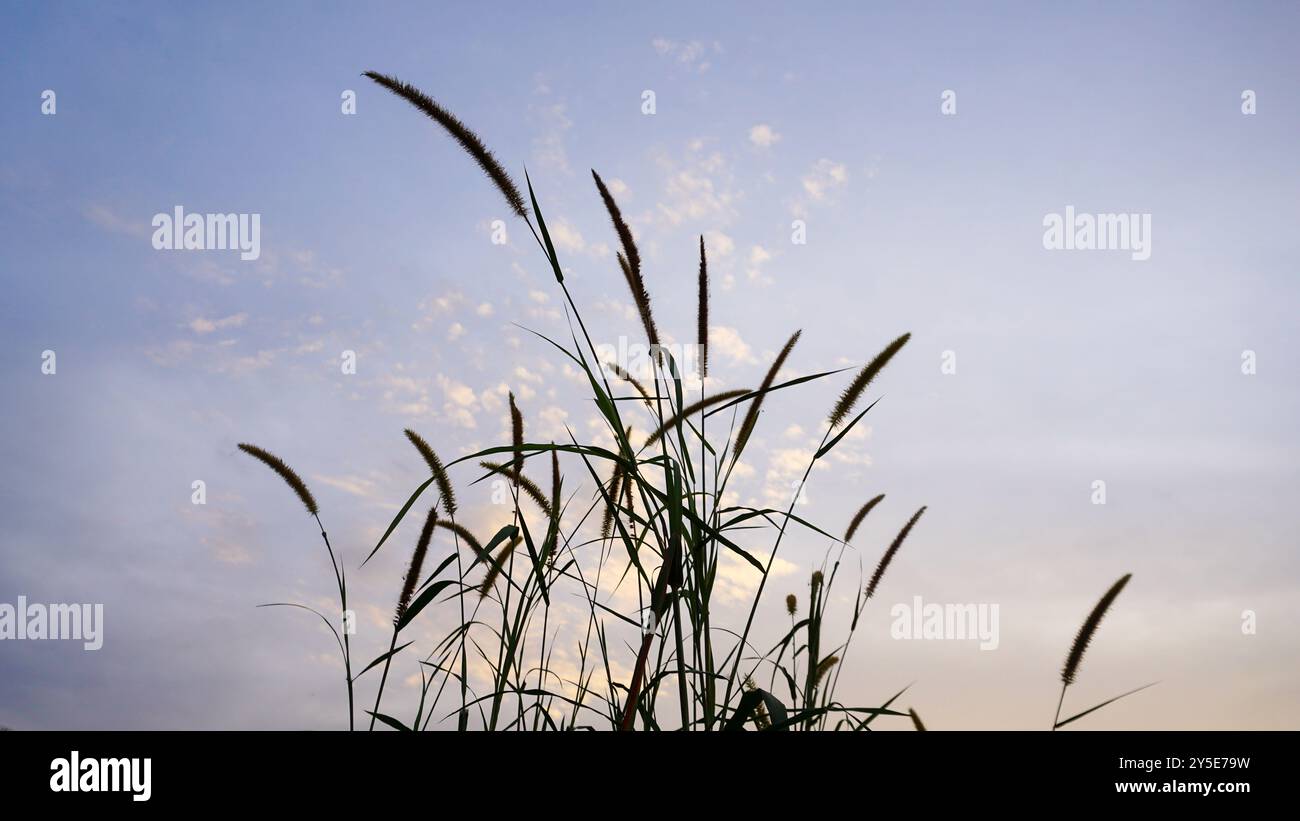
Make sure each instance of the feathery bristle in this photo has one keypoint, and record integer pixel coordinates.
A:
(629, 260)
(642, 299)
(751, 415)
(889, 554)
(627, 481)
(528, 486)
(613, 490)
(463, 532)
(630, 251)
(494, 570)
(461, 134)
(860, 382)
(694, 407)
(292, 479)
(860, 515)
(517, 437)
(816, 581)
(417, 560)
(791, 604)
(438, 471)
(916, 719)
(702, 315)
(823, 668)
(1089, 627)
(630, 379)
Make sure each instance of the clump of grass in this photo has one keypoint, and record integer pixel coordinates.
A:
(665, 518)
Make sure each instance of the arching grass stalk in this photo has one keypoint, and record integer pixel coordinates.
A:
(299, 487)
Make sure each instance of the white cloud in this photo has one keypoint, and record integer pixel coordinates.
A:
(199, 325)
(110, 220)
(738, 579)
(726, 341)
(718, 244)
(457, 393)
(553, 123)
(823, 177)
(565, 236)
(526, 375)
(757, 256)
(763, 136)
(356, 485)
(692, 54)
(456, 331)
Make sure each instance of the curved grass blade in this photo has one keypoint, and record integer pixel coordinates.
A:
(401, 514)
(391, 722)
(419, 604)
(1078, 716)
(381, 658)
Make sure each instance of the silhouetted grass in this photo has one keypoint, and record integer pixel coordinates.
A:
(654, 524)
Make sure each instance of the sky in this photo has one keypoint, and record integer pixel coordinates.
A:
(1031, 374)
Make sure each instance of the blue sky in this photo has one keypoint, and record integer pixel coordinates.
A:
(1071, 366)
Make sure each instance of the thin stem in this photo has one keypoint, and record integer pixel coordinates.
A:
(340, 576)
(762, 582)
(384, 678)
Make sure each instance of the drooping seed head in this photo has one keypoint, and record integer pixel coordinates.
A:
(292, 479)
(439, 472)
(460, 133)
